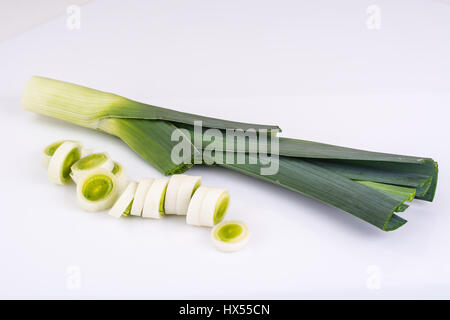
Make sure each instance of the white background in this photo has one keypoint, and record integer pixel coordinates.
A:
(314, 68)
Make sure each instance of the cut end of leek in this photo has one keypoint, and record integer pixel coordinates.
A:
(62, 160)
(230, 236)
(154, 201)
(208, 206)
(91, 162)
(179, 193)
(97, 190)
(124, 202)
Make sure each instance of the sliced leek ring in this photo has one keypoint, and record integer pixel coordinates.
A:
(229, 236)
(195, 206)
(91, 162)
(49, 151)
(121, 175)
(221, 199)
(63, 158)
(185, 193)
(170, 204)
(208, 207)
(139, 198)
(97, 190)
(154, 201)
(179, 193)
(124, 203)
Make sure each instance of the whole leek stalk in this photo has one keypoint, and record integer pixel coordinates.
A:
(369, 185)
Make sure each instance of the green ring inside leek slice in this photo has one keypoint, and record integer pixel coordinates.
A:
(161, 203)
(221, 207)
(71, 158)
(97, 187)
(229, 232)
(91, 161)
(197, 185)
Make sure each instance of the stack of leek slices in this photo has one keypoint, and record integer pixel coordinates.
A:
(102, 184)
(99, 179)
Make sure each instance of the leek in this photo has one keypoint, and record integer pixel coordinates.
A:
(139, 198)
(417, 172)
(328, 173)
(179, 193)
(401, 193)
(326, 186)
(195, 207)
(124, 203)
(154, 200)
(60, 163)
(97, 190)
(208, 206)
(230, 236)
(98, 110)
(89, 163)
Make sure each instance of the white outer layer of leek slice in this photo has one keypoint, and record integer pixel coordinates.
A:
(124, 200)
(139, 198)
(103, 203)
(58, 161)
(170, 203)
(232, 239)
(185, 193)
(195, 206)
(179, 193)
(107, 164)
(155, 199)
